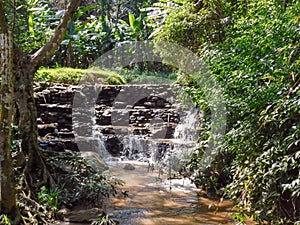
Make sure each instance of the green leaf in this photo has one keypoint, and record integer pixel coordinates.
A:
(131, 18)
(31, 24)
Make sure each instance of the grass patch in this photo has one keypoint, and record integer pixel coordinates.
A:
(59, 75)
(74, 76)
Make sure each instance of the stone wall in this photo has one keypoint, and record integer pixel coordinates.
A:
(147, 111)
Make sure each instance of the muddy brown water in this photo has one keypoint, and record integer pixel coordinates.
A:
(152, 201)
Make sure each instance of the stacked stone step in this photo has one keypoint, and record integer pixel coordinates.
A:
(138, 109)
(54, 109)
(144, 107)
(146, 111)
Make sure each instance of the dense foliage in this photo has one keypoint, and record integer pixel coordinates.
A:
(262, 88)
(98, 26)
(257, 61)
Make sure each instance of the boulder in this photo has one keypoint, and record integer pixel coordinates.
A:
(129, 167)
(95, 161)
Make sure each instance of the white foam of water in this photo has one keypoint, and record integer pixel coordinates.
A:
(134, 147)
(184, 142)
(100, 145)
(187, 130)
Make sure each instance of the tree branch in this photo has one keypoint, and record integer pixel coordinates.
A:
(45, 53)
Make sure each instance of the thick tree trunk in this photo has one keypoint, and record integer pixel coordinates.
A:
(25, 67)
(7, 187)
(24, 71)
(35, 172)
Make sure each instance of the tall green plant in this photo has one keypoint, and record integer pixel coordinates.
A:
(32, 21)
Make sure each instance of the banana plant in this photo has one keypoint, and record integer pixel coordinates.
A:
(137, 24)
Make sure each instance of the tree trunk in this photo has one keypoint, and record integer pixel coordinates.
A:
(7, 187)
(24, 71)
(25, 67)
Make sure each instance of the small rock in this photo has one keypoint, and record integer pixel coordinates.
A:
(129, 167)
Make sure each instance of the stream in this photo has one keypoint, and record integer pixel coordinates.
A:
(154, 201)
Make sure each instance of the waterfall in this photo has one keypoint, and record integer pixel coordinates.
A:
(183, 144)
(140, 123)
(187, 130)
(100, 147)
(166, 153)
(135, 147)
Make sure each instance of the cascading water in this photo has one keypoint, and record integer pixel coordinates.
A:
(159, 151)
(135, 148)
(188, 129)
(179, 149)
(100, 147)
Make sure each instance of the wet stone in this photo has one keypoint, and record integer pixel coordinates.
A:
(128, 167)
